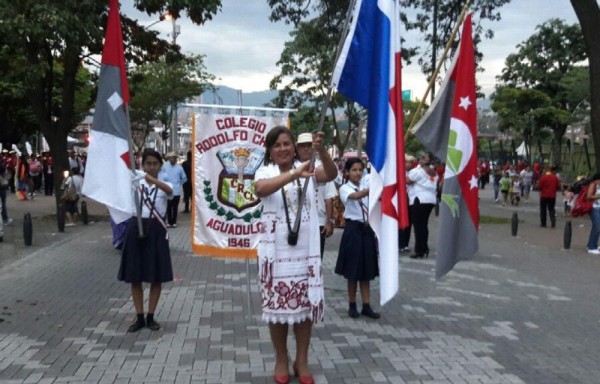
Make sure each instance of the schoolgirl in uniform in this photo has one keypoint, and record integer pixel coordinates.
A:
(357, 258)
(148, 259)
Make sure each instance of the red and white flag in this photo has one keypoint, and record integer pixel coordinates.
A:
(449, 131)
(107, 174)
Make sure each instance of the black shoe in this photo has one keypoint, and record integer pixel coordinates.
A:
(415, 256)
(352, 312)
(136, 326)
(368, 311)
(152, 325)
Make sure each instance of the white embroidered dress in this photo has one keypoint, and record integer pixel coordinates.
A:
(290, 276)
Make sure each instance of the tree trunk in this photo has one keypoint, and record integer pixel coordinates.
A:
(56, 128)
(588, 13)
(557, 146)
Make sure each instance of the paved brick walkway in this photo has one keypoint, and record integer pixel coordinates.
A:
(522, 311)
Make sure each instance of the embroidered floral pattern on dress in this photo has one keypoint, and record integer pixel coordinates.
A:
(286, 297)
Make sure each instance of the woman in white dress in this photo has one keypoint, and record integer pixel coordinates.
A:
(290, 275)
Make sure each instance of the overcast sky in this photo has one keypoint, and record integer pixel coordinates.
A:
(242, 46)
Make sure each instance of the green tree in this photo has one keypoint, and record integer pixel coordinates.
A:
(519, 112)
(422, 20)
(37, 36)
(156, 87)
(541, 63)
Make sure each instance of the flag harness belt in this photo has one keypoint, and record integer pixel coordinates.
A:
(363, 210)
(292, 236)
(150, 203)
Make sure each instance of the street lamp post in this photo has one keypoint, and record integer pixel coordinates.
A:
(175, 33)
(174, 133)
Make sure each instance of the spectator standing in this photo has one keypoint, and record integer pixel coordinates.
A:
(48, 166)
(22, 177)
(421, 200)
(496, 182)
(548, 185)
(75, 161)
(11, 166)
(35, 172)
(174, 174)
(71, 210)
(4, 183)
(404, 233)
(568, 199)
(187, 186)
(515, 190)
(593, 193)
(505, 187)
(526, 176)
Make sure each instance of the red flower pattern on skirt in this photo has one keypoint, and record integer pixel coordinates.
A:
(283, 296)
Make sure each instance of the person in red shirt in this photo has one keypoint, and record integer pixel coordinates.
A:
(548, 185)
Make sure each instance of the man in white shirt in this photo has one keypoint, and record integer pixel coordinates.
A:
(174, 174)
(325, 192)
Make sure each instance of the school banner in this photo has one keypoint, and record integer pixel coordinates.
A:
(227, 151)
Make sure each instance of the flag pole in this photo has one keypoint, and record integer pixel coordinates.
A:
(324, 107)
(461, 18)
(136, 197)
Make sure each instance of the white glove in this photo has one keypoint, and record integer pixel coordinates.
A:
(136, 177)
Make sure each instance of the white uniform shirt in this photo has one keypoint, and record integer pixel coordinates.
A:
(353, 209)
(326, 191)
(424, 186)
(160, 203)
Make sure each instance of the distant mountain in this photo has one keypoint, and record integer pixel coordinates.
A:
(229, 96)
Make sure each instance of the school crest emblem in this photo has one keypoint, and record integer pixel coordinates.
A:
(236, 180)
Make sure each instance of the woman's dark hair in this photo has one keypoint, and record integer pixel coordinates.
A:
(151, 152)
(272, 137)
(351, 161)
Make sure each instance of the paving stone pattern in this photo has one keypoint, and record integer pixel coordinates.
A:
(522, 311)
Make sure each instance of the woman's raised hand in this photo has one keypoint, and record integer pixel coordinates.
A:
(318, 139)
(304, 169)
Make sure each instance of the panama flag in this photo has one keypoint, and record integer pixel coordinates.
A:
(368, 72)
(107, 176)
(449, 131)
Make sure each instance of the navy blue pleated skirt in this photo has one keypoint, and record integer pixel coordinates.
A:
(357, 258)
(148, 259)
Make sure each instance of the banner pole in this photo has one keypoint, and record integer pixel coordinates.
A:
(136, 198)
(249, 310)
(461, 18)
(324, 108)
